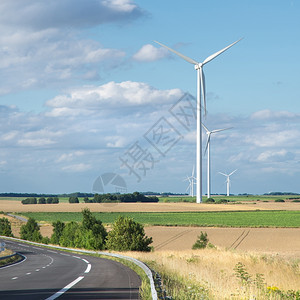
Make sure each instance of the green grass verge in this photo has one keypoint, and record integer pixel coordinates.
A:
(211, 219)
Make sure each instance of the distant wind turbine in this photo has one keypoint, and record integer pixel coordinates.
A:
(191, 180)
(228, 180)
(207, 149)
(200, 93)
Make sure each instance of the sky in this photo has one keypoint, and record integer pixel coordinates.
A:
(90, 103)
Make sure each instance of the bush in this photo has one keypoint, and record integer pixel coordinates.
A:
(209, 200)
(31, 231)
(31, 200)
(127, 235)
(55, 200)
(49, 200)
(279, 200)
(42, 201)
(201, 242)
(73, 200)
(5, 227)
(222, 201)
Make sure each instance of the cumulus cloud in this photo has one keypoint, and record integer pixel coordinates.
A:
(267, 114)
(44, 44)
(65, 13)
(275, 156)
(150, 53)
(76, 168)
(110, 95)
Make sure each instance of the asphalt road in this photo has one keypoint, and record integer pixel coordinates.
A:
(49, 274)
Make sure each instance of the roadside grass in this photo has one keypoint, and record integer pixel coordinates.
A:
(10, 260)
(204, 219)
(220, 274)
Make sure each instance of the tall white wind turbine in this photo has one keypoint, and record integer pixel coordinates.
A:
(228, 180)
(191, 180)
(200, 93)
(207, 149)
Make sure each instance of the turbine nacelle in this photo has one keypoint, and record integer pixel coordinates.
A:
(198, 66)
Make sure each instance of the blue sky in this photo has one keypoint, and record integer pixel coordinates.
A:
(84, 87)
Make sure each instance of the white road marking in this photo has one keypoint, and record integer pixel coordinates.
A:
(14, 278)
(77, 257)
(67, 287)
(37, 270)
(28, 273)
(85, 260)
(51, 251)
(88, 268)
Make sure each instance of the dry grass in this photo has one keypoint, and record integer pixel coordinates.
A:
(214, 269)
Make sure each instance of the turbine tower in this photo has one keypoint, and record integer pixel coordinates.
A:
(228, 180)
(200, 95)
(207, 149)
(191, 180)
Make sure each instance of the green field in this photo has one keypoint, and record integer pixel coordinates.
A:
(241, 198)
(213, 219)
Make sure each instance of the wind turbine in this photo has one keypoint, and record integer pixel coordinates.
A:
(228, 180)
(200, 92)
(207, 149)
(191, 182)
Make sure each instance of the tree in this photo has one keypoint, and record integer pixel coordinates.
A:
(58, 228)
(90, 223)
(42, 200)
(5, 227)
(31, 231)
(31, 200)
(127, 235)
(73, 199)
(201, 242)
(49, 200)
(55, 200)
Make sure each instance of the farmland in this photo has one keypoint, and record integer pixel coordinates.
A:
(209, 219)
(260, 233)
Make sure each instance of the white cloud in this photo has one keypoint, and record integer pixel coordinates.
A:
(275, 156)
(82, 167)
(63, 13)
(150, 53)
(44, 45)
(112, 94)
(267, 114)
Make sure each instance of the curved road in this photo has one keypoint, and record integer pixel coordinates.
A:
(49, 274)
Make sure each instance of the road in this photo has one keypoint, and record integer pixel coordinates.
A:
(48, 274)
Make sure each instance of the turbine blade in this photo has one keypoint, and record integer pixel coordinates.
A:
(202, 83)
(208, 140)
(232, 172)
(193, 171)
(205, 127)
(211, 57)
(188, 59)
(218, 130)
(223, 174)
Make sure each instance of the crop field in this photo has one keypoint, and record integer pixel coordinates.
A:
(209, 219)
(242, 198)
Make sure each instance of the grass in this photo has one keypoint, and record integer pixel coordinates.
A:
(208, 219)
(238, 198)
(211, 274)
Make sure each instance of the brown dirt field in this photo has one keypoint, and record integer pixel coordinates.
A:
(17, 206)
(285, 241)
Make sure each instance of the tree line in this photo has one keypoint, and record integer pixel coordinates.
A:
(125, 235)
(42, 200)
(125, 198)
